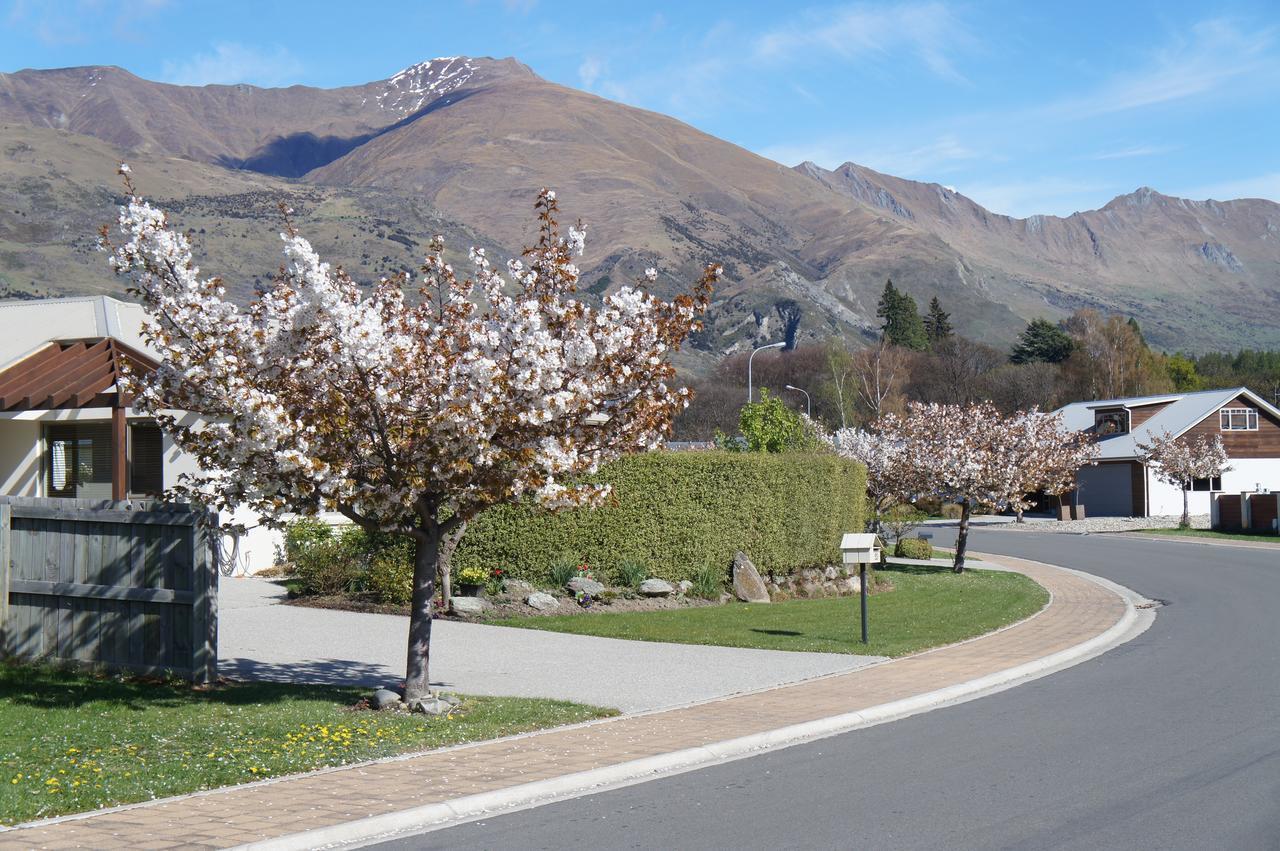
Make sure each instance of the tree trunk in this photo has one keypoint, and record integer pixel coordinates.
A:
(445, 566)
(426, 556)
(1185, 522)
(962, 539)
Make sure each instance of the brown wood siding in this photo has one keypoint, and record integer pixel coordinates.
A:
(1139, 415)
(1263, 443)
(1138, 483)
(1229, 516)
(1262, 510)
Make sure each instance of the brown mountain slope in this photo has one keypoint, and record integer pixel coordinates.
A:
(462, 144)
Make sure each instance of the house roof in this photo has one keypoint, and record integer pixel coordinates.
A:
(28, 325)
(72, 374)
(1181, 412)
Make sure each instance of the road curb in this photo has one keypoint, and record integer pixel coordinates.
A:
(468, 808)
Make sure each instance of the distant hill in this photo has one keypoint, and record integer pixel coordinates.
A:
(460, 146)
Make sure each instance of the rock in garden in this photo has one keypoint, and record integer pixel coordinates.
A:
(685, 587)
(517, 587)
(747, 584)
(656, 588)
(468, 606)
(830, 573)
(431, 706)
(586, 586)
(384, 698)
(542, 601)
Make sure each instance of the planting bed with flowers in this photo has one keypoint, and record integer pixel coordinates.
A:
(74, 742)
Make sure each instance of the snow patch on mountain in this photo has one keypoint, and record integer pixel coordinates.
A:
(411, 89)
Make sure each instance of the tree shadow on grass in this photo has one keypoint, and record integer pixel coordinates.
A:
(246, 682)
(776, 631)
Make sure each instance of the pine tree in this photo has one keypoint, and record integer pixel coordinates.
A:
(902, 323)
(937, 325)
(1042, 341)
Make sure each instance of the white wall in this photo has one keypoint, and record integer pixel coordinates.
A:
(20, 458)
(1246, 474)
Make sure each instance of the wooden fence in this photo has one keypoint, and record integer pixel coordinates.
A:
(129, 586)
(1246, 512)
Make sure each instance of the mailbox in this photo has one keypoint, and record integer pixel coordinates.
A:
(861, 548)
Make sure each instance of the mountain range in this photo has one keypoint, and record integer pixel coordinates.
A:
(460, 146)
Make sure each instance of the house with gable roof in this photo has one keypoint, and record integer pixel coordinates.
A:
(67, 426)
(1120, 485)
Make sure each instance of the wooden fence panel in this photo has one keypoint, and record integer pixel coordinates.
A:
(129, 586)
(1230, 515)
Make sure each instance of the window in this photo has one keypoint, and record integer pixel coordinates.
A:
(1238, 419)
(79, 460)
(146, 459)
(1107, 423)
(1214, 484)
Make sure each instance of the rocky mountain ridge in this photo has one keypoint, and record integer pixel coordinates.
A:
(463, 144)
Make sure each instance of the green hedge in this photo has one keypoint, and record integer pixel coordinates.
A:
(679, 512)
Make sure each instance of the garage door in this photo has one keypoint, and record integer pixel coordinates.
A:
(1106, 490)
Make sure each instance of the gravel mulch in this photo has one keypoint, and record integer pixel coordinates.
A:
(1103, 524)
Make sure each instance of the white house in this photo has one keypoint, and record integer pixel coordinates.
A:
(67, 430)
(1121, 485)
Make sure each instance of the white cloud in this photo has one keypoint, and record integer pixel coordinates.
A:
(928, 30)
(589, 71)
(229, 62)
(1259, 186)
(1135, 151)
(920, 162)
(1057, 196)
(1210, 55)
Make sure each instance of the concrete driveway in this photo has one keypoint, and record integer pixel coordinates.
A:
(260, 639)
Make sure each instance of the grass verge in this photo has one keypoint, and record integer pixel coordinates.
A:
(1268, 538)
(929, 606)
(73, 742)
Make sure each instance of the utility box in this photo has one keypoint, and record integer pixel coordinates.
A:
(861, 548)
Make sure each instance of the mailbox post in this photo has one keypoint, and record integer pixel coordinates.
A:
(861, 549)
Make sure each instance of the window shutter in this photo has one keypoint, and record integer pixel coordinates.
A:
(146, 460)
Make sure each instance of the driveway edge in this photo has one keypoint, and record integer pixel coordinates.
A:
(429, 817)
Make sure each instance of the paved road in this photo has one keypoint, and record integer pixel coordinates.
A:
(260, 639)
(1170, 741)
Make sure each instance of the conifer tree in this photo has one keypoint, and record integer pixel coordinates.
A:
(1042, 341)
(937, 324)
(902, 323)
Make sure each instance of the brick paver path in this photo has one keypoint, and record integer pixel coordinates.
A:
(1080, 610)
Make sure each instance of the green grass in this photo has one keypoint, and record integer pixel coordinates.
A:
(74, 742)
(1268, 538)
(929, 606)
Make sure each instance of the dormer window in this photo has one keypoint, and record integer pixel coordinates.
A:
(1109, 423)
(1238, 419)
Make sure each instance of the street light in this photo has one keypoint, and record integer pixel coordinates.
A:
(751, 358)
(808, 403)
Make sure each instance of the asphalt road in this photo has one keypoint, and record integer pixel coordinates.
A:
(1169, 741)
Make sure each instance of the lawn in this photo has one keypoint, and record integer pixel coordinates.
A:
(1209, 533)
(928, 607)
(74, 742)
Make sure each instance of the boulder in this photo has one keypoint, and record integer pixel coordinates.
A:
(468, 606)
(685, 587)
(384, 698)
(542, 601)
(656, 588)
(431, 706)
(830, 573)
(747, 584)
(586, 586)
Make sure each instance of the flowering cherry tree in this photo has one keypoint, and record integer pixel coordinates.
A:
(882, 455)
(1178, 460)
(408, 409)
(975, 455)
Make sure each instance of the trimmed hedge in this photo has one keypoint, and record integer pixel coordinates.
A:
(913, 548)
(680, 512)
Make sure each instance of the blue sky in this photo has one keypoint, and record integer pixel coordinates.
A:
(1026, 107)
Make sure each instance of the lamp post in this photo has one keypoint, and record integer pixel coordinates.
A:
(808, 403)
(751, 358)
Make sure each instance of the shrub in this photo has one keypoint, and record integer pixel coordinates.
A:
(708, 582)
(631, 572)
(913, 548)
(679, 512)
(390, 579)
(328, 567)
(900, 520)
(951, 511)
(301, 534)
(563, 568)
